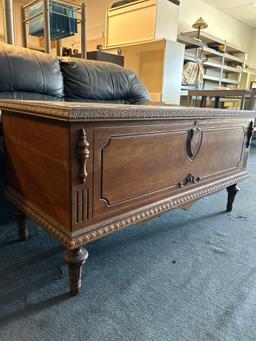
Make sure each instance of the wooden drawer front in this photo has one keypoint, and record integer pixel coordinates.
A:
(133, 166)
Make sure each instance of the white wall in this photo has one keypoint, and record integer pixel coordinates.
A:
(96, 12)
(220, 24)
(252, 51)
(1, 20)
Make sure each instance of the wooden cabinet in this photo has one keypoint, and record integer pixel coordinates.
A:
(159, 64)
(105, 57)
(141, 21)
(83, 171)
(76, 165)
(145, 33)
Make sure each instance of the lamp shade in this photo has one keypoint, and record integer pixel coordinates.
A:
(200, 24)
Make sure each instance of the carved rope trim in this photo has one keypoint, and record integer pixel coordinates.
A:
(96, 112)
(97, 232)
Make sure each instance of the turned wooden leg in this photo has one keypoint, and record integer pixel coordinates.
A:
(22, 225)
(232, 191)
(75, 260)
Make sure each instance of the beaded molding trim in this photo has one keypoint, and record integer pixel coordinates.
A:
(68, 111)
(96, 232)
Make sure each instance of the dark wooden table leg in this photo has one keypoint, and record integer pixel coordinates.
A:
(75, 260)
(232, 191)
(217, 102)
(242, 103)
(189, 101)
(22, 225)
(203, 102)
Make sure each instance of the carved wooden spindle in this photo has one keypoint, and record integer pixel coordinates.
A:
(75, 260)
(232, 192)
(23, 229)
(83, 155)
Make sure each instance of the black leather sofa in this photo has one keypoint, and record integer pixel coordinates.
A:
(31, 75)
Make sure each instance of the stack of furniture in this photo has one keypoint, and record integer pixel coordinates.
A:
(159, 65)
(141, 21)
(145, 33)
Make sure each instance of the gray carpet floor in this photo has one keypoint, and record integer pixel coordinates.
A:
(186, 276)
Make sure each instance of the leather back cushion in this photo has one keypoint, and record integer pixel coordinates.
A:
(29, 71)
(101, 81)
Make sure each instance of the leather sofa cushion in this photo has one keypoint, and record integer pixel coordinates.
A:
(101, 81)
(29, 71)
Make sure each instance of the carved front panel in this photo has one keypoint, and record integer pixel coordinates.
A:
(140, 165)
(133, 166)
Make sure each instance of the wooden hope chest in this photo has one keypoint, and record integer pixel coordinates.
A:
(83, 171)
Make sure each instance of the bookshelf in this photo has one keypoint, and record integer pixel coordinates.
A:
(222, 61)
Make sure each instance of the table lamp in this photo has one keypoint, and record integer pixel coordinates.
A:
(200, 24)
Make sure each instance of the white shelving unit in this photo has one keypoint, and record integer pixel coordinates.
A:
(221, 68)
